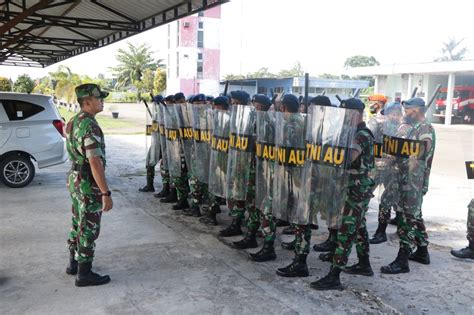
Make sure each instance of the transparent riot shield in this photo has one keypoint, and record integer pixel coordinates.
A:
(153, 152)
(162, 132)
(202, 128)
(288, 185)
(183, 114)
(329, 135)
(173, 142)
(265, 153)
(375, 124)
(412, 150)
(219, 153)
(241, 150)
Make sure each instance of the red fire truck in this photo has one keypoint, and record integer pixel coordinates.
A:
(463, 104)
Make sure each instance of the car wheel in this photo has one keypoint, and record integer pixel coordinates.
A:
(16, 171)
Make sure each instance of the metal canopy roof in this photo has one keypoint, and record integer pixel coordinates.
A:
(38, 33)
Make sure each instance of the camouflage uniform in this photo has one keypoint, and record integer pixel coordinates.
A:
(470, 222)
(353, 227)
(411, 227)
(181, 182)
(85, 140)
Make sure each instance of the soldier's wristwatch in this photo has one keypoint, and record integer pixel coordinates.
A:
(108, 193)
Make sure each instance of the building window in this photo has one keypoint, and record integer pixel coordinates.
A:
(177, 34)
(201, 25)
(169, 35)
(200, 39)
(278, 89)
(201, 13)
(262, 90)
(177, 64)
(297, 89)
(200, 65)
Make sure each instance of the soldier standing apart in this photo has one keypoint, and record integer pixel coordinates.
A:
(353, 227)
(468, 252)
(87, 184)
(298, 268)
(413, 177)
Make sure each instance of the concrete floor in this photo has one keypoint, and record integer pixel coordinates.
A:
(162, 262)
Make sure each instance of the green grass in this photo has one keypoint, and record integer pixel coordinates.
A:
(109, 125)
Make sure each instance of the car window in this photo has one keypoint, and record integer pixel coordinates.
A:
(19, 110)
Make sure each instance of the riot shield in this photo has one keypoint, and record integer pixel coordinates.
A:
(202, 128)
(162, 132)
(219, 153)
(329, 135)
(241, 150)
(288, 182)
(265, 154)
(153, 152)
(411, 151)
(183, 114)
(173, 142)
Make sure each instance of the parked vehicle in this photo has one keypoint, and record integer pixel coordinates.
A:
(31, 132)
(463, 103)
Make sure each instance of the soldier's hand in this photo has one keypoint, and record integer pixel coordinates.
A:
(107, 203)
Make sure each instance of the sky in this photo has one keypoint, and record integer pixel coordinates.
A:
(319, 34)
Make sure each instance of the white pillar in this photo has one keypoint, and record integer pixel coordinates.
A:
(376, 84)
(449, 98)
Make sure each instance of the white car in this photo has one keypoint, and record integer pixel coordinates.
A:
(31, 130)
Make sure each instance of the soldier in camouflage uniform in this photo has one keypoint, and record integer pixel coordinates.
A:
(237, 207)
(413, 185)
(87, 184)
(468, 252)
(220, 103)
(389, 199)
(298, 268)
(353, 227)
(168, 193)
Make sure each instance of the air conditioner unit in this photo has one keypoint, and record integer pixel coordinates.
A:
(186, 24)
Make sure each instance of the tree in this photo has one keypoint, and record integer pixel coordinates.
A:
(451, 50)
(64, 83)
(296, 71)
(24, 84)
(329, 76)
(261, 73)
(5, 84)
(44, 86)
(360, 61)
(159, 82)
(133, 61)
(230, 77)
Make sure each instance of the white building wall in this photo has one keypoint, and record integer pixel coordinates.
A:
(211, 33)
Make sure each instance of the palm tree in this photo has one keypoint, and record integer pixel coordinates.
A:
(133, 61)
(449, 50)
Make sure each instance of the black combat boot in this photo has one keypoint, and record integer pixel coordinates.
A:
(210, 218)
(380, 236)
(172, 197)
(421, 255)
(288, 230)
(289, 245)
(181, 205)
(265, 254)
(362, 268)
(327, 257)
(314, 226)
(298, 268)
(330, 282)
(280, 222)
(194, 211)
(394, 221)
(150, 176)
(249, 241)
(399, 265)
(164, 192)
(233, 229)
(467, 252)
(329, 244)
(85, 277)
(71, 269)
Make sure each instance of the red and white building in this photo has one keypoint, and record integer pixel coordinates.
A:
(194, 54)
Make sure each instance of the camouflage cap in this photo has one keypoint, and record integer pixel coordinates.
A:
(90, 89)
